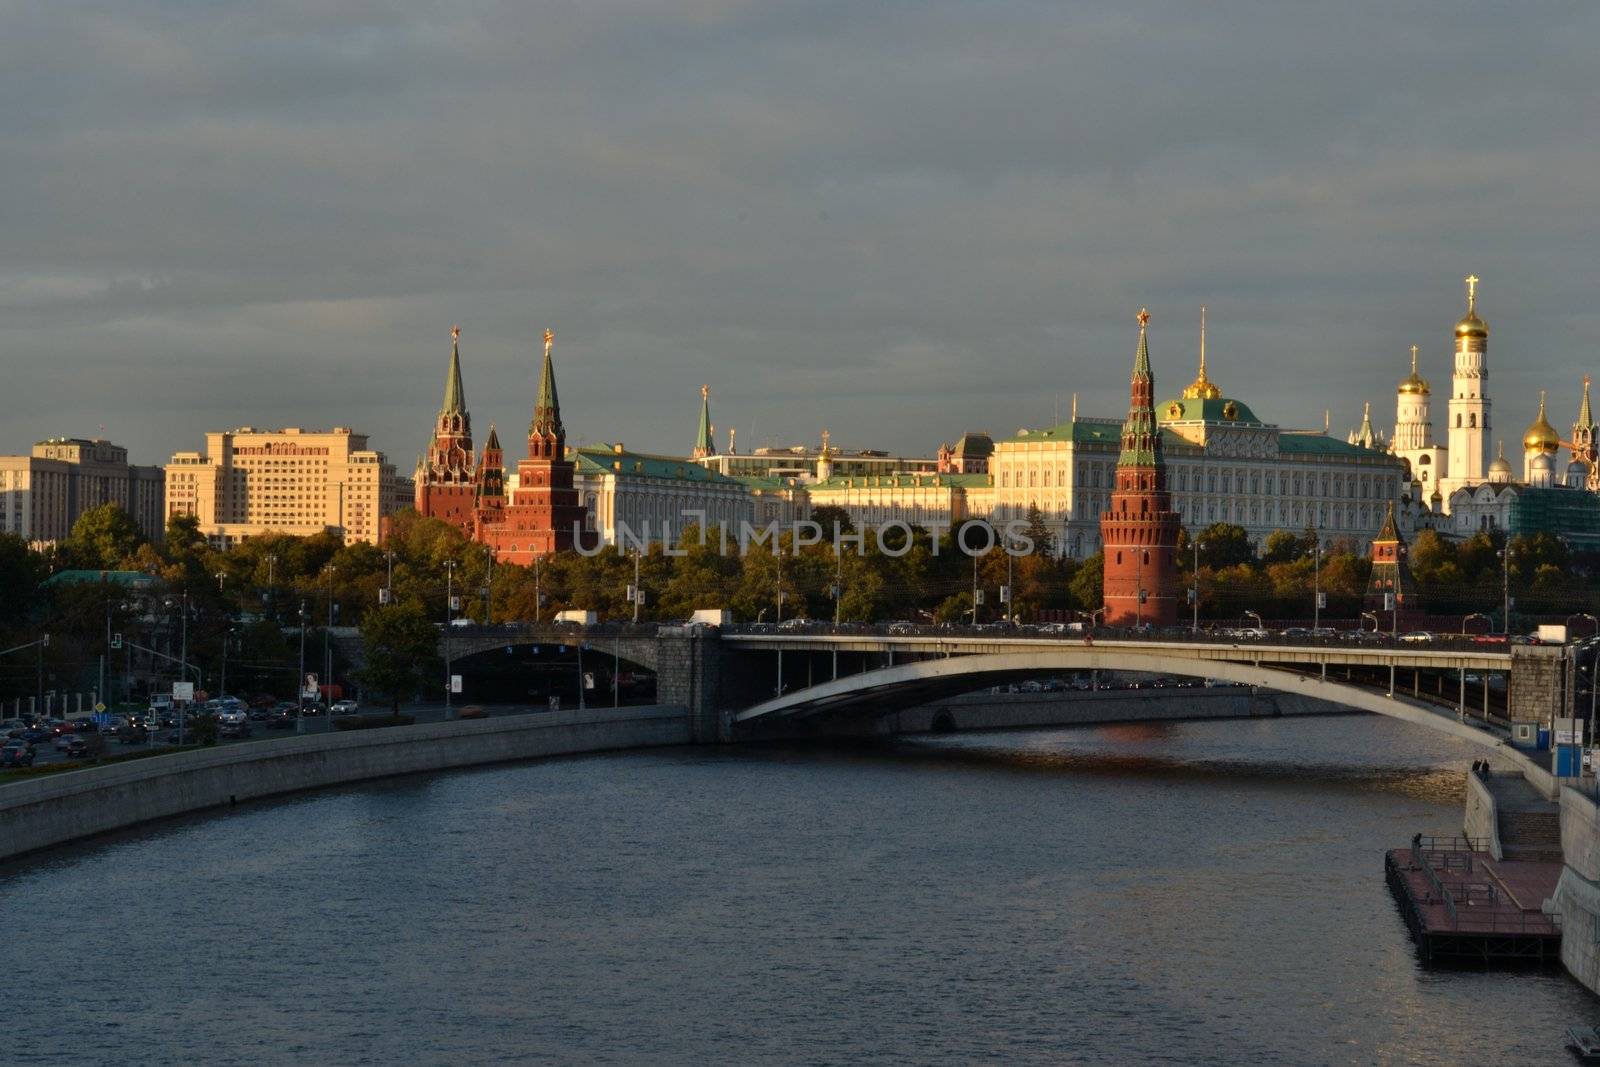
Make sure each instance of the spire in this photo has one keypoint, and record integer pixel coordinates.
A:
(547, 409)
(1365, 436)
(1202, 388)
(704, 444)
(493, 443)
(1390, 531)
(1141, 358)
(455, 398)
(1585, 419)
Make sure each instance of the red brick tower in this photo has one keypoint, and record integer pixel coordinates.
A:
(1139, 532)
(490, 508)
(544, 510)
(445, 483)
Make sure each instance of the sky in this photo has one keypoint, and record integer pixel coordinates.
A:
(895, 220)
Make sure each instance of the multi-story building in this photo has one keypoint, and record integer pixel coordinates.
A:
(1413, 433)
(1222, 464)
(650, 496)
(249, 482)
(43, 493)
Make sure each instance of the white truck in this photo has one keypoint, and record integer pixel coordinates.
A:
(711, 617)
(576, 617)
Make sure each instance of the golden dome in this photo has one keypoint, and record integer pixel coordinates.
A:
(1541, 436)
(1414, 383)
(1471, 325)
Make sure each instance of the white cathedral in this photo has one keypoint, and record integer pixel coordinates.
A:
(1458, 479)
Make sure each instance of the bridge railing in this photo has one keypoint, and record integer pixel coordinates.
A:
(1170, 635)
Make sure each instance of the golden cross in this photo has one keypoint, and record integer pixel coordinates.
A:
(549, 339)
(455, 333)
(1143, 317)
(824, 442)
(1472, 290)
(705, 392)
(1413, 359)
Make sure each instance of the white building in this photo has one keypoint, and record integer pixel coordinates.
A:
(43, 493)
(650, 494)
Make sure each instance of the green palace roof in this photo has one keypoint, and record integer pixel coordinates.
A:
(1223, 410)
(601, 459)
(1109, 434)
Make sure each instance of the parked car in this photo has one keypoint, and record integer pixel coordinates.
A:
(1417, 637)
(16, 754)
(345, 707)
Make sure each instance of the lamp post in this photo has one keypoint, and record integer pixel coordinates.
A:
(1195, 591)
(449, 607)
(1475, 615)
(1256, 616)
(1316, 585)
(1373, 615)
(1505, 589)
(327, 647)
(300, 679)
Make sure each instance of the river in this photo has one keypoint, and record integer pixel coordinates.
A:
(1201, 893)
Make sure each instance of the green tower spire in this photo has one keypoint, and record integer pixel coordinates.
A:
(455, 397)
(547, 409)
(703, 443)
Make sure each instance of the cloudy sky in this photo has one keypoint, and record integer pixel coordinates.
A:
(897, 220)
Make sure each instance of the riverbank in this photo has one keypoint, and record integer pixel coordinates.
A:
(76, 804)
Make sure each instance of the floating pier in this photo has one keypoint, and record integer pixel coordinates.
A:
(1464, 906)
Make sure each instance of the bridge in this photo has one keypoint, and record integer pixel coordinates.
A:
(752, 681)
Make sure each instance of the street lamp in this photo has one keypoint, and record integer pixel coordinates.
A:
(1257, 617)
(1373, 615)
(300, 679)
(1316, 586)
(1505, 589)
(327, 647)
(449, 608)
(1585, 615)
(1195, 591)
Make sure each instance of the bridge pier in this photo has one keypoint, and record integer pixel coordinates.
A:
(689, 672)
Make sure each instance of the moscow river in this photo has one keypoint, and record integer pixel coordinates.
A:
(1189, 893)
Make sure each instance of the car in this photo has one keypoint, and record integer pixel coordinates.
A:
(84, 726)
(16, 754)
(76, 748)
(133, 733)
(1299, 632)
(13, 728)
(1417, 637)
(345, 707)
(282, 719)
(472, 711)
(64, 741)
(234, 728)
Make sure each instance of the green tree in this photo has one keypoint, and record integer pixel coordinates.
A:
(103, 538)
(401, 650)
(1222, 545)
(1088, 584)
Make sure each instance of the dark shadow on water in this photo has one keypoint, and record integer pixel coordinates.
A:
(1429, 782)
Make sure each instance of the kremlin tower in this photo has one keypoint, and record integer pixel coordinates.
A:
(1584, 443)
(445, 478)
(1413, 432)
(704, 444)
(1139, 531)
(544, 514)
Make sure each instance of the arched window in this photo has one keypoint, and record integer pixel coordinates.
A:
(1472, 421)
(1458, 422)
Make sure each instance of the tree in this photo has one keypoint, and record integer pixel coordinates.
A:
(1223, 545)
(21, 571)
(1044, 542)
(829, 515)
(401, 649)
(103, 538)
(1088, 585)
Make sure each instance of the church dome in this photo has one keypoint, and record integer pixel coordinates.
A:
(1541, 436)
(1499, 468)
(1414, 384)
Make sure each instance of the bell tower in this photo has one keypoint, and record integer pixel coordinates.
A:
(1469, 399)
(445, 477)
